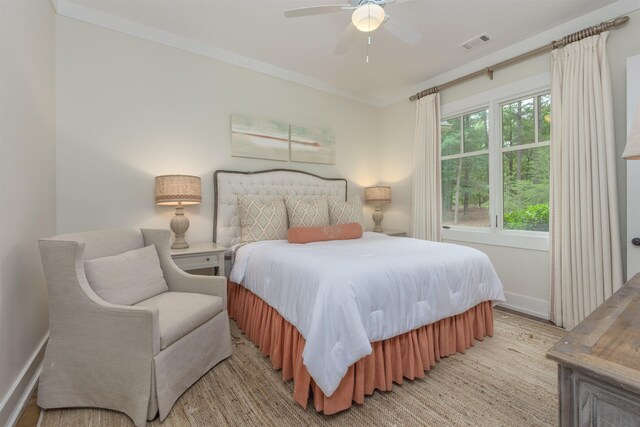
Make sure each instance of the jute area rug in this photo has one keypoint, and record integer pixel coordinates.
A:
(501, 381)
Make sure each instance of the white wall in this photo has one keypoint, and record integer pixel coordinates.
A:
(130, 109)
(27, 190)
(525, 273)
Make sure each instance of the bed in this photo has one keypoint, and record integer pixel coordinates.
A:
(346, 318)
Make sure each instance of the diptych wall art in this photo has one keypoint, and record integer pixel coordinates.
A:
(259, 138)
(272, 140)
(313, 145)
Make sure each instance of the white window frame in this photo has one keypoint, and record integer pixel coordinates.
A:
(493, 100)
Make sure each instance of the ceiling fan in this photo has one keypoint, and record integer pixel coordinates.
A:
(367, 16)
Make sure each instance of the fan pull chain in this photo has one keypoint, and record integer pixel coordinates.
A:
(369, 34)
(368, 44)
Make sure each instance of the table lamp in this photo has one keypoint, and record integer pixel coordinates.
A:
(178, 190)
(377, 195)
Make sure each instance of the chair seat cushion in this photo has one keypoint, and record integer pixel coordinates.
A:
(181, 312)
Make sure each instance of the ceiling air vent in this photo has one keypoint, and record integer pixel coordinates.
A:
(475, 42)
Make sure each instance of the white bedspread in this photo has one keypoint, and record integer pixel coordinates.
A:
(342, 295)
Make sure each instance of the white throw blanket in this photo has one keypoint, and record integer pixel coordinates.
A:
(342, 295)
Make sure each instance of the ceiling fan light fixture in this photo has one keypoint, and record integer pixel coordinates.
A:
(368, 17)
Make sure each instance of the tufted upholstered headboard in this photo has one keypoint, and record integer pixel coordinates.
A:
(228, 185)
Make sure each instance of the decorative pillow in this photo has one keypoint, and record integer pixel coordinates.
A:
(327, 232)
(345, 212)
(307, 213)
(127, 278)
(262, 220)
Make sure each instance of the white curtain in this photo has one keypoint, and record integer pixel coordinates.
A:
(426, 220)
(586, 266)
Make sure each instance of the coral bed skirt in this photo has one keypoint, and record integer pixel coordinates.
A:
(408, 355)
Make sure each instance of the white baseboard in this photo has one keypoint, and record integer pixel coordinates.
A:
(527, 305)
(16, 399)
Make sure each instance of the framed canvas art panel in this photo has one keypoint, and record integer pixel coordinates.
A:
(259, 138)
(311, 144)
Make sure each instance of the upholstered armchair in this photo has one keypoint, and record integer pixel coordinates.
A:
(139, 352)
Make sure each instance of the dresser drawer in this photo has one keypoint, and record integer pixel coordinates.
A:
(603, 405)
(196, 261)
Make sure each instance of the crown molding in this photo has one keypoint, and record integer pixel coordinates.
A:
(82, 13)
(613, 10)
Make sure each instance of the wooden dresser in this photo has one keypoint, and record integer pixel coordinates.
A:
(599, 364)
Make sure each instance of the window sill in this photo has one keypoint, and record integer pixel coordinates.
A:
(537, 241)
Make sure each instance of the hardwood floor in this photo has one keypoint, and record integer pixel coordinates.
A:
(29, 417)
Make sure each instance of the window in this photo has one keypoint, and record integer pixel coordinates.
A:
(465, 170)
(495, 169)
(525, 163)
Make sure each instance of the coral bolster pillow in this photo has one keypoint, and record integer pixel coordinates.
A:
(324, 233)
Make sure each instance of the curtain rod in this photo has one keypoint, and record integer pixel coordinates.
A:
(488, 71)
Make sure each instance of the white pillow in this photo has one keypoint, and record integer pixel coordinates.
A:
(307, 212)
(346, 212)
(127, 278)
(262, 220)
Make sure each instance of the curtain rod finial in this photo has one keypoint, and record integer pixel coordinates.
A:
(621, 20)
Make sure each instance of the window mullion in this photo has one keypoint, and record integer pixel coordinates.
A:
(535, 119)
(462, 134)
(465, 155)
(525, 146)
(495, 181)
(498, 169)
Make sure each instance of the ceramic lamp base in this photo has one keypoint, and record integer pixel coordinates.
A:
(179, 225)
(377, 219)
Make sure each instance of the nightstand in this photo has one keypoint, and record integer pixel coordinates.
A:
(395, 233)
(200, 255)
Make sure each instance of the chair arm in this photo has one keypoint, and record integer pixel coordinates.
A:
(78, 313)
(177, 279)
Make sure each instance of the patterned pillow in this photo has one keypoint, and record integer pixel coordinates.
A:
(307, 213)
(346, 212)
(262, 220)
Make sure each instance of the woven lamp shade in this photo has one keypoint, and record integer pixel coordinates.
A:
(632, 149)
(379, 194)
(172, 189)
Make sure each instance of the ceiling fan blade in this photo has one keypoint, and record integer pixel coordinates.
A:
(396, 1)
(402, 31)
(315, 10)
(346, 40)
